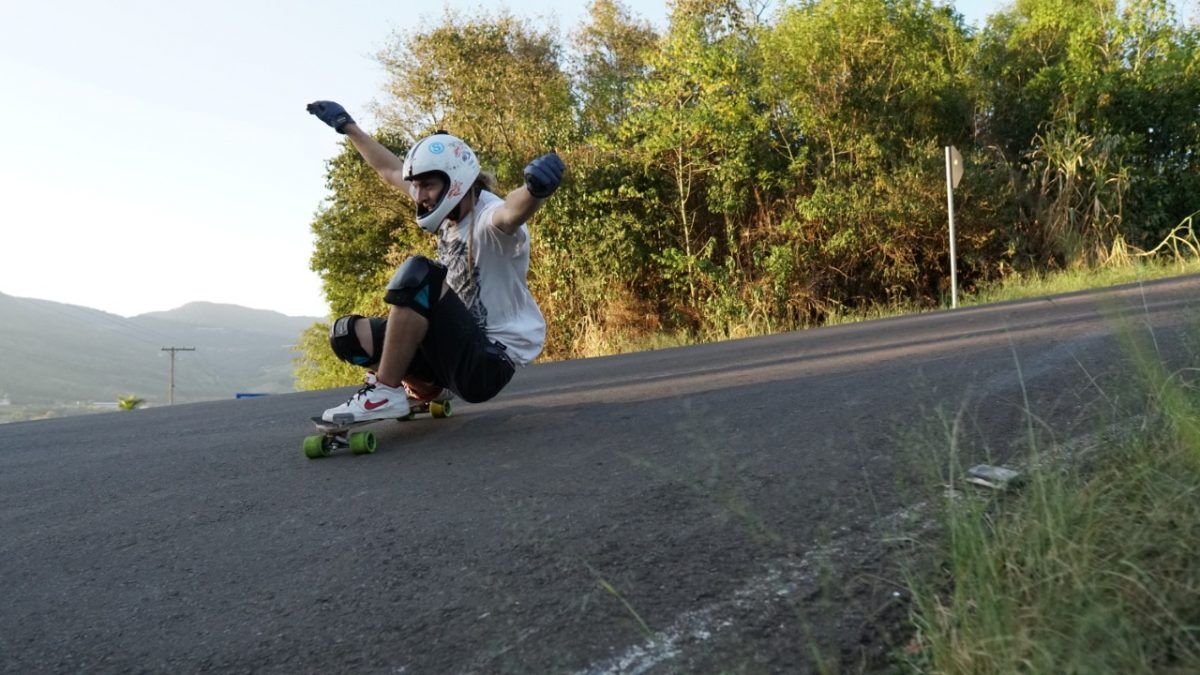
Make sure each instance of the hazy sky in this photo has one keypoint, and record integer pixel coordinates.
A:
(157, 153)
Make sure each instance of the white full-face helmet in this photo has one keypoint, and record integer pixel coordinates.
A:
(449, 156)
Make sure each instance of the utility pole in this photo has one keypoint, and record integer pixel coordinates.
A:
(171, 392)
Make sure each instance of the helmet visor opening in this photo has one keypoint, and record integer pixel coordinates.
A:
(423, 182)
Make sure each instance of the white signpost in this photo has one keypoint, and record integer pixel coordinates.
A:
(954, 172)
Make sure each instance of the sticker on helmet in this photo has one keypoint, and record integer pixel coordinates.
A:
(455, 189)
(436, 148)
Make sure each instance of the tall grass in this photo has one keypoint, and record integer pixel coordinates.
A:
(1017, 287)
(1092, 567)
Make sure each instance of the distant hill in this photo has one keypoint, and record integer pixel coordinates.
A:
(54, 353)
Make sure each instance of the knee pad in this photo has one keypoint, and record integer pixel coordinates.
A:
(343, 340)
(417, 284)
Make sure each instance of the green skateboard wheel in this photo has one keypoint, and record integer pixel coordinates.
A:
(439, 408)
(362, 443)
(316, 447)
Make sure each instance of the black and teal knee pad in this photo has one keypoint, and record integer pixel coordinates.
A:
(417, 284)
(344, 340)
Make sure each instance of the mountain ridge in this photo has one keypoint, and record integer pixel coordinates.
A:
(206, 313)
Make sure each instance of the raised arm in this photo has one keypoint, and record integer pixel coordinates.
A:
(542, 177)
(389, 167)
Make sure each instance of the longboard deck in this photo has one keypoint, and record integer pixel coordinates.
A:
(334, 427)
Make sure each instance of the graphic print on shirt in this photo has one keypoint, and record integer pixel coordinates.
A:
(462, 277)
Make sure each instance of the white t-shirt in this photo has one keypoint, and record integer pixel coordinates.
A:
(489, 276)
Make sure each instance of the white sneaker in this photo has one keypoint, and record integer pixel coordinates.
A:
(374, 401)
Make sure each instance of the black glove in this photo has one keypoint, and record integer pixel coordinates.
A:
(543, 175)
(332, 114)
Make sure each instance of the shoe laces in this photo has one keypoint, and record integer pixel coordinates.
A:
(363, 391)
(369, 381)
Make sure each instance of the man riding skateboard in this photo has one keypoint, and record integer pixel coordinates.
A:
(465, 321)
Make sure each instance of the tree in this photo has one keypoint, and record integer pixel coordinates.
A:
(612, 52)
(591, 240)
(495, 82)
(1093, 103)
(129, 402)
(865, 93)
(694, 123)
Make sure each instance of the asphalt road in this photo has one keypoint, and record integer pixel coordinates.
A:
(727, 507)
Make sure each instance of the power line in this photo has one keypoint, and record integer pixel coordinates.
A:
(171, 392)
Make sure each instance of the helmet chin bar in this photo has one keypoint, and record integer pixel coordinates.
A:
(429, 218)
(454, 214)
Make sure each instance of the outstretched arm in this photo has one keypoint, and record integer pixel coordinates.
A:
(542, 177)
(518, 207)
(389, 167)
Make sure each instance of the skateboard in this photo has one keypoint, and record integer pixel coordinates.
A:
(337, 435)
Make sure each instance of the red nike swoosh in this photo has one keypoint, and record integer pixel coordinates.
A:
(371, 405)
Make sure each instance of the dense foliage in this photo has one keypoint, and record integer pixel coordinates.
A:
(750, 170)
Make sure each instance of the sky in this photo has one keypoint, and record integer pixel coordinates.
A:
(157, 153)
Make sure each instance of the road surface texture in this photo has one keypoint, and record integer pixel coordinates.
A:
(729, 507)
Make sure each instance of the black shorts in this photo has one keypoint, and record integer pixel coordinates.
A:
(458, 355)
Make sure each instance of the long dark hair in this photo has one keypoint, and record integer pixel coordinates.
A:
(486, 180)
